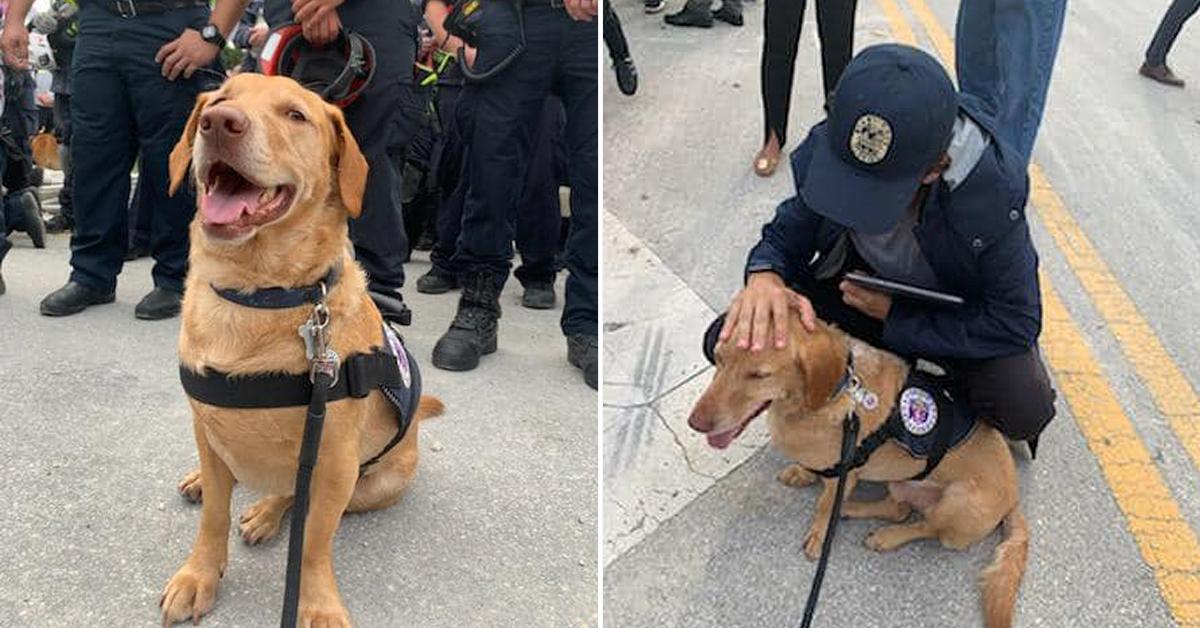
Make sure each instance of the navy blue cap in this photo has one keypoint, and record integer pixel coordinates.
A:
(890, 119)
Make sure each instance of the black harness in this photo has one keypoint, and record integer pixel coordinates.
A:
(389, 369)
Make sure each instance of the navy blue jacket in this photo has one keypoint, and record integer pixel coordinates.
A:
(975, 239)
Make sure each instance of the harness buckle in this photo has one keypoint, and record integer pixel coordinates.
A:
(124, 12)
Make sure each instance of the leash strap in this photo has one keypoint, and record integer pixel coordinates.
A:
(314, 423)
(849, 435)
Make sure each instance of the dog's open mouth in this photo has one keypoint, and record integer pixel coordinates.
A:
(723, 439)
(233, 204)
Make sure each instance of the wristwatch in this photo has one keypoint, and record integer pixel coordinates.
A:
(211, 34)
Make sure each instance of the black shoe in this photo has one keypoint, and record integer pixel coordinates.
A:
(729, 16)
(539, 295)
(654, 6)
(627, 80)
(436, 282)
(59, 223)
(391, 305)
(473, 332)
(426, 241)
(73, 298)
(37, 176)
(687, 17)
(160, 303)
(582, 353)
(31, 218)
(137, 251)
(1160, 73)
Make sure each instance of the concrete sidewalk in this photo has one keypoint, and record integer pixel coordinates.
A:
(498, 529)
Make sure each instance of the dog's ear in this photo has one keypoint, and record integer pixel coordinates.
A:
(350, 163)
(822, 360)
(181, 155)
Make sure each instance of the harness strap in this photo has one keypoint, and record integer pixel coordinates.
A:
(283, 298)
(357, 377)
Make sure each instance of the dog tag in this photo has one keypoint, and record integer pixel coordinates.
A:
(308, 333)
(870, 401)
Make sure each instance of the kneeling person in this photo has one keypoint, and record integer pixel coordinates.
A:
(902, 182)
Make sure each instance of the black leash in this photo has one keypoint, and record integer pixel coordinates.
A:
(850, 428)
(314, 423)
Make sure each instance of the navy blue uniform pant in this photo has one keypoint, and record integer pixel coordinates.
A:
(383, 119)
(121, 104)
(561, 57)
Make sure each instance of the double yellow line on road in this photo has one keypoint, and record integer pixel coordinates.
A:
(1166, 541)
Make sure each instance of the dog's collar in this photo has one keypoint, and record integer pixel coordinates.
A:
(852, 385)
(283, 298)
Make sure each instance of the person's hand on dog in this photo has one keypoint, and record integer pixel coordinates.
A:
(581, 10)
(870, 302)
(322, 30)
(762, 306)
(185, 54)
(15, 42)
(314, 11)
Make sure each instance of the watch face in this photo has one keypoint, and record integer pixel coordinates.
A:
(209, 31)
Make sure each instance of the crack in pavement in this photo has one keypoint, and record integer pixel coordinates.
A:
(683, 450)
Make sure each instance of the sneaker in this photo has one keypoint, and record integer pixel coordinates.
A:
(539, 295)
(627, 78)
(654, 6)
(159, 304)
(687, 17)
(72, 299)
(582, 353)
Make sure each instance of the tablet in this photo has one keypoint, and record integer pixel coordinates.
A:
(903, 289)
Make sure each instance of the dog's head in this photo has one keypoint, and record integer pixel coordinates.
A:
(746, 382)
(268, 154)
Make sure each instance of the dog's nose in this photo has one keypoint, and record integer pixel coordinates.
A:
(224, 122)
(697, 422)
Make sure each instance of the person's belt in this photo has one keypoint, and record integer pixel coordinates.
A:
(134, 8)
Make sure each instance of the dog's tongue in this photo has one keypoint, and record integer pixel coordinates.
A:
(223, 207)
(722, 440)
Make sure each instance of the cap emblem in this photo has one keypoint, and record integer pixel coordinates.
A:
(871, 139)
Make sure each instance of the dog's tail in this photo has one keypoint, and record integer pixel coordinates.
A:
(1001, 579)
(429, 407)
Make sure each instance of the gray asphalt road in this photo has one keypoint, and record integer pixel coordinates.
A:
(1121, 151)
(498, 528)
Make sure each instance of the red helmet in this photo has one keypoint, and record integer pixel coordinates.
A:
(338, 72)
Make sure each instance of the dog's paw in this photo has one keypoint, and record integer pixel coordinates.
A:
(191, 488)
(813, 542)
(262, 520)
(878, 541)
(327, 616)
(189, 595)
(796, 475)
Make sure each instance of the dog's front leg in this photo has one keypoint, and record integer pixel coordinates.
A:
(333, 484)
(192, 591)
(820, 524)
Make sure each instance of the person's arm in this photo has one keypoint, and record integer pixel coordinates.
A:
(240, 37)
(435, 16)
(1006, 319)
(189, 52)
(15, 39)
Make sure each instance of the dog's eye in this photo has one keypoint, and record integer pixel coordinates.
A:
(297, 115)
(760, 375)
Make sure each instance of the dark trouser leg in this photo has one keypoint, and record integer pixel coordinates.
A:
(538, 210)
(614, 35)
(578, 88)
(141, 215)
(1168, 30)
(103, 147)
(160, 111)
(457, 116)
(1012, 393)
(835, 25)
(62, 113)
(781, 35)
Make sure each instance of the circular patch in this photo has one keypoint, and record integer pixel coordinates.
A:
(870, 139)
(918, 411)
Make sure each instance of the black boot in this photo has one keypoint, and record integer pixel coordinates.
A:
(539, 295)
(436, 282)
(473, 332)
(72, 299)
(59, 223)
(31, 217)
(582, 353)
(729, 16)
(158, 304)
(627, 77)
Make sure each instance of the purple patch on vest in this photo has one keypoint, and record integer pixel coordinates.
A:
(401, 356)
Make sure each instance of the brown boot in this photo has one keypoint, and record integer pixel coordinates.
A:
(1160, 73)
